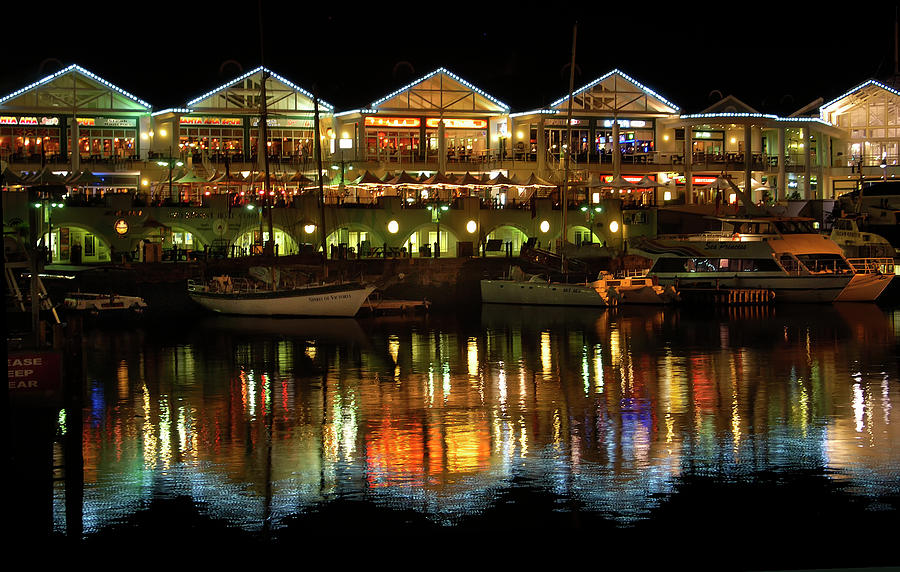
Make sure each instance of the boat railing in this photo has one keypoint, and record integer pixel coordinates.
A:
(708, 236)
(872, 265)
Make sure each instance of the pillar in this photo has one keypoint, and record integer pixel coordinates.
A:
(748, 161)
(442, 148)
(616, 149)
(688, 165)
(782, 169)
(541, 147)
(807, 156)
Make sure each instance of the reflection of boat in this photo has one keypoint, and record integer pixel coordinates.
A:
(782, 254)
(104, 304)
(240, 296)
(333, 330)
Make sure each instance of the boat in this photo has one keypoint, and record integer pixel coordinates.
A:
(784, 255)
(104, 304)
(521, 288)
(638, 289)
(240, 296)
(855, 243)
(606, 290)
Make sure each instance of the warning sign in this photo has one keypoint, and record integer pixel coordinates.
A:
(35, 378)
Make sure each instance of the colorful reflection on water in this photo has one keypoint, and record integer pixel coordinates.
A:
(258, 420)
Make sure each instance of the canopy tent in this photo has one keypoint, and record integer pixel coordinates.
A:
(469, 180)
(500, 179)
(46, 176)
(439, 179)
(10, 179)
(403, 178)
(368, 178)
(648, 183)
(535, 181)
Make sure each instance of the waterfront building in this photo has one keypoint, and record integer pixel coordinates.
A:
(438, 165)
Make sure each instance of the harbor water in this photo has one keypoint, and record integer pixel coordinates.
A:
(747, 437)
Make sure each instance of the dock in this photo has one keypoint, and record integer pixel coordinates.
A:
(726, 297)
(395, 307)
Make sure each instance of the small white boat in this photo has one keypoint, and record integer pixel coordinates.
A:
(104, 304)
(239, 296)
(520, 288)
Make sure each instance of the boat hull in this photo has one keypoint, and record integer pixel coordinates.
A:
(787, 288)
(325, 301)
(540, 293)
(865, 287)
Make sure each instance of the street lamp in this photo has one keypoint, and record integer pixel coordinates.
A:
(171, 163)
(591, 210)
(437, 209)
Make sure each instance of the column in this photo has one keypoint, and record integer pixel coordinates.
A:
(688, 164)
(616, 149)
(748, 161)
(807, 152)
(442, 148)
(782, 170)
(541, 147)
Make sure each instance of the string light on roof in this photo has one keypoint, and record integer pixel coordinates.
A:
(84, 72)
(280, 78)
(452, 76)
(857, 88)
(640, 86)
(738, 115)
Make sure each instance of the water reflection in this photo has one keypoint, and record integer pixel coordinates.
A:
(257, 420)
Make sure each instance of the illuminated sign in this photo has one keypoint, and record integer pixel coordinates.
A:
(10, 120)
(632, 123)
(703, 180)
(35, 378)
(209, 120)
(633, 179)
(86, 121)
(121, 227)
(393, 122)
(458, 123)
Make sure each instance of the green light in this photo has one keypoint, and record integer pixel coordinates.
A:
(429, 207)
(161, 163)
(37, 205)
(598, 209)
(584, 209)
(249, 207)
(445, 208)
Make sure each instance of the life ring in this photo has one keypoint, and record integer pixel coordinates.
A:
(736, 237)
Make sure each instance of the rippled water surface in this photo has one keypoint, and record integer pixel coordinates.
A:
(740, 423)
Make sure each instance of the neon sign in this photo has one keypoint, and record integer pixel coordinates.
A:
(392, 122)
(458, 123)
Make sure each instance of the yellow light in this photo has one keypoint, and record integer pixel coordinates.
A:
(545, 226)
(393, 227)
(613, 226)
(309, 229)
(471, 226)
(145, 182)
(733, 140)
(667, 196)
(732, 198)
(665, 137)
(163, 132)
(520, 135)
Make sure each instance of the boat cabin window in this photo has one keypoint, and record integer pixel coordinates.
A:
(795, 227)
(789, 263)
(843, 224)
(714, 265)
(824, 263)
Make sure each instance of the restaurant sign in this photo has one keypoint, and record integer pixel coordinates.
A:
(35, 377)
(105, 121)
(231, 121)
(458, 123)
(393, 122)
(12, 120)
(284, 122)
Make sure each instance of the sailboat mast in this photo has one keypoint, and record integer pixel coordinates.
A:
(568, 149)
(318, 149)
(263, 145)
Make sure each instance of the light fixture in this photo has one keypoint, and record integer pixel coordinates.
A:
(614, 226)
(471, 226)
(393, 227)
(545, 226)
(309, 228)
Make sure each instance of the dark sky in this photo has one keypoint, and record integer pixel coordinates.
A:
(777, 57)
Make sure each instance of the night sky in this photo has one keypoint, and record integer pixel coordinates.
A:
(777, 57)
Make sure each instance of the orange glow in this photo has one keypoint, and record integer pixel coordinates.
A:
(392, 122)
(458, 123)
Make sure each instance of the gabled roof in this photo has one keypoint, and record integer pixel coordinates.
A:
(441, 90)
(854, 97)
(616, 91)
(242, 93)
(729, 104)
(73, 87)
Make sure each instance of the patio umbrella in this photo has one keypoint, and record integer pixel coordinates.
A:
(46, 176)
(647, 183)
(403, 178)
(535, 181)
(720, 184)
(438, 179)
(368, 179)
(469, 180)
(301, 179)
(501, 179)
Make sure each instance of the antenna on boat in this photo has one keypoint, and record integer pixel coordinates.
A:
(263, 145)
(749, 207)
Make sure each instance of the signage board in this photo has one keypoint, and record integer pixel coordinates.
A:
(35, 377)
